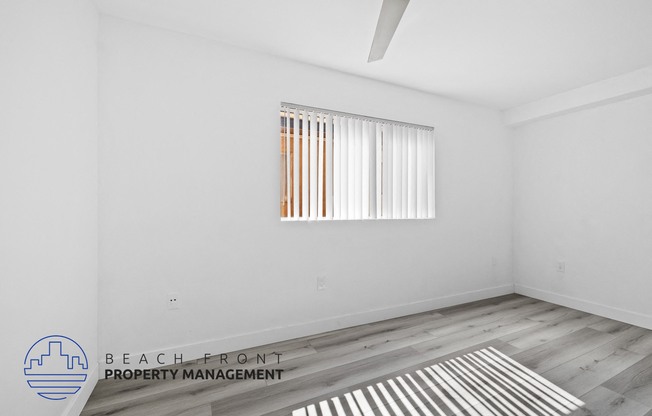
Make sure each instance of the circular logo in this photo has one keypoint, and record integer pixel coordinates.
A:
(56, 367)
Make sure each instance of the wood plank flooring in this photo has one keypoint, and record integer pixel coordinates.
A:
(605, 363)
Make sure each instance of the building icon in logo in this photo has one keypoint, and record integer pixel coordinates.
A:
(56, 367)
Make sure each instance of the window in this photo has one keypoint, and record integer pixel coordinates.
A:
(338, 166)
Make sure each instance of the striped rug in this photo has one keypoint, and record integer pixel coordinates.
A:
(482, 383)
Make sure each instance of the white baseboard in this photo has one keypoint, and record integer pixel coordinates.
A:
(268, 336)
(78, 401)
(630, 317)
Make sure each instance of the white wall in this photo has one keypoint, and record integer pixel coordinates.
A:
(189, 155)
(583, 195)
(48, 186)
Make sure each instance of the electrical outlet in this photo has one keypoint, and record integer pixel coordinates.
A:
(321, 282)
(561, 267)
(174, 301)
(494, 269)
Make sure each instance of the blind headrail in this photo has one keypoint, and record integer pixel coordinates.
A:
(293, 106)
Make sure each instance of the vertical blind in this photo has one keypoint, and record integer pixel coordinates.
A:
(337, 166)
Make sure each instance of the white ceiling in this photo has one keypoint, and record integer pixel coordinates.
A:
(499, 53)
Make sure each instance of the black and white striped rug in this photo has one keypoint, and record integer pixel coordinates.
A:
(482, 383)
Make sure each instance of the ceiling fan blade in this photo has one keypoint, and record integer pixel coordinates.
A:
(390, 15)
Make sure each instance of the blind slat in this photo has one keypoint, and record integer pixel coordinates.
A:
(431, 175)
(351, 169)
(423, 174)
(411, 194)
(365, 169)
(329, 166)
(313, 165)
(288, 161)
(357, 162)
(404, 176)
(418, 175)
(296, 174)
(320, 163)
(305, 185)
(372, 169)
(337, 140)
(379, 171)
(397, 182)
(385, 172)
(388, 132)
(344, 168)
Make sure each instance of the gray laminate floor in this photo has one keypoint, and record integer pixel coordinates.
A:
(605, 363)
